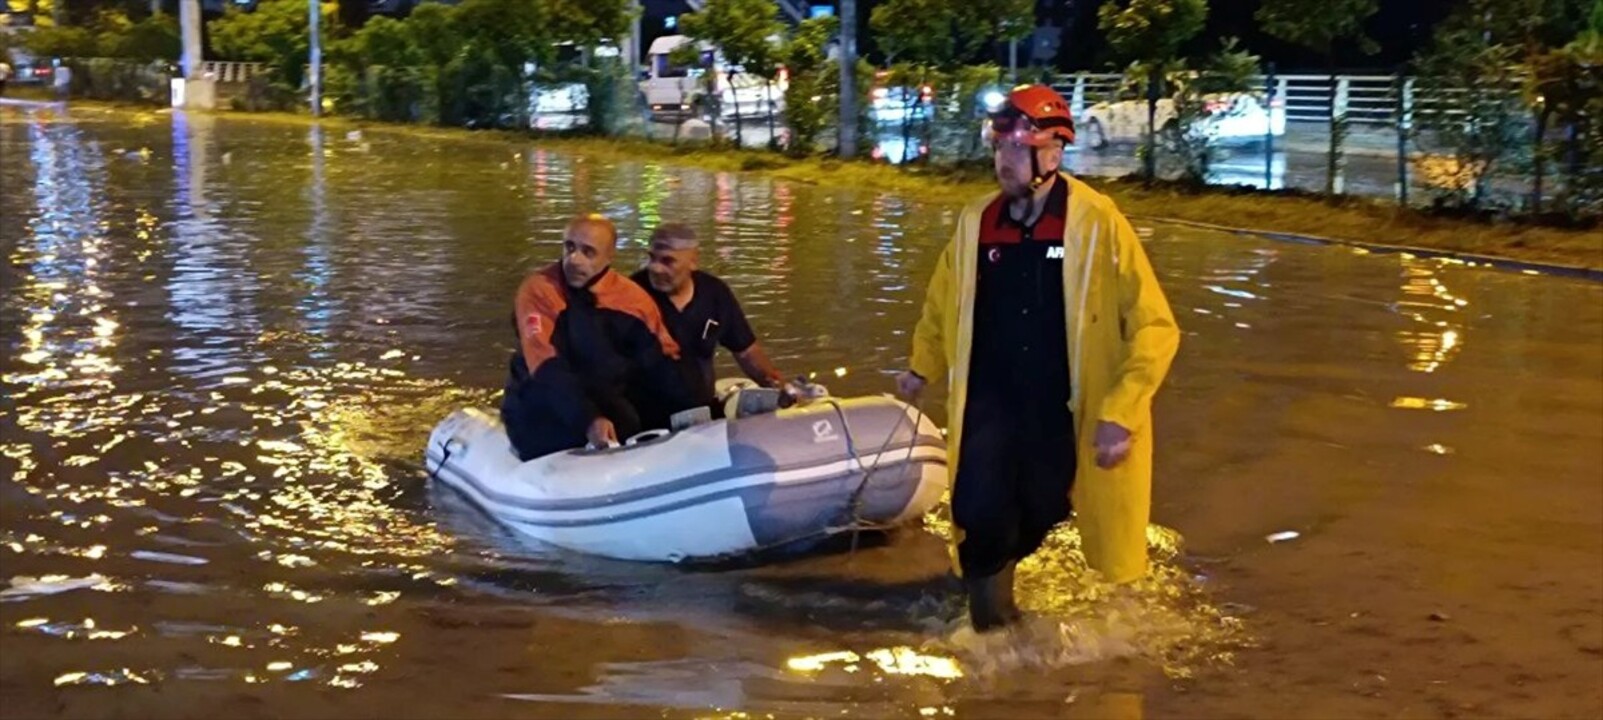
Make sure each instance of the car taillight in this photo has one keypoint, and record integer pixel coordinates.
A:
(925, 93)
(784, 75)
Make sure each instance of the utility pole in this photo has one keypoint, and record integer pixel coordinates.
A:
(634, 45)
(189, 26)
(314, 18)
(846, 142)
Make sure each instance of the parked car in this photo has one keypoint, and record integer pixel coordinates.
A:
(1229, 118)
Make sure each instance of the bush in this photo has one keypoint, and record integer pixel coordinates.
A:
(476, 91)
(959, 109)
(117, 80)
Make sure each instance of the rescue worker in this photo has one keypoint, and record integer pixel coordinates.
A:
(700, 310)
(594, 361)
(1046, 324)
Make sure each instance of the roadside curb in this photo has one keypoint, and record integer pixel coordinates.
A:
(1575, 271)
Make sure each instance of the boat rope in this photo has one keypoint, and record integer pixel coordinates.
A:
(855, 523)
(445, 457)
(854, 504)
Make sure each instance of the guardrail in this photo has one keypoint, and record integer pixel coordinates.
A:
(1365, 99)
(231, 72)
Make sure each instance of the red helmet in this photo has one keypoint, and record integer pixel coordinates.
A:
(1033, 115)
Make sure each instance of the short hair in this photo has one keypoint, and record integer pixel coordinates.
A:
(675, 235)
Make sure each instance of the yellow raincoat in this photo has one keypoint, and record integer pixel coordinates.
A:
(1122, 338)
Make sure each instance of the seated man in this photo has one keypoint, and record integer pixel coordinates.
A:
(701, 311)
(594, 361)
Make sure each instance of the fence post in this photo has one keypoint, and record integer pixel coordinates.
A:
(1405, 126)
(1078, 102)
(1269, 129)
(1338, 133)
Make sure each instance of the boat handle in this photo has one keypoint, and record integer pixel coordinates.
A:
(646, 436)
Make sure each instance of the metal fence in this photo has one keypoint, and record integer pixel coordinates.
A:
(1365, 99)
(1384, 152)
(232, 72)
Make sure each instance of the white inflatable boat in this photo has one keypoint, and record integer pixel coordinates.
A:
(710, 491)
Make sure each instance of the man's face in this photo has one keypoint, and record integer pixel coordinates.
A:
(669, 268)
(1014, 171)
(587, 249)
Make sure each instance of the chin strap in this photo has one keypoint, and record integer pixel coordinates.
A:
(1038, 178)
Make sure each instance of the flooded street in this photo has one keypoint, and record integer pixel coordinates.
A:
(223, 343)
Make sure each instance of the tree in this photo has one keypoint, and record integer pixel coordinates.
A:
(926, 42)
(809, 99)
(60, 42)
(981, 22)
(434, 33)
(743, 32)
(1471, 81)
(916, 32)
(917, 36)
(276, 33)
(1319, 25)
(1500, 72)
(1223, 75)
(153, 38)
(1569, 82)
(1539, 29)
(1149, 34)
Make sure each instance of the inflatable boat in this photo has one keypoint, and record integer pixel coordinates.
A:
(778, 480)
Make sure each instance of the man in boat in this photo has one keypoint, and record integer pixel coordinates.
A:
(700, 310)
(1047, 326)
(594, 361)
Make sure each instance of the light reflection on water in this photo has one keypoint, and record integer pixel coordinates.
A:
(222, 354)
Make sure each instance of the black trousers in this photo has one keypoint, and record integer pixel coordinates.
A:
(548, 411)
(1014, 476)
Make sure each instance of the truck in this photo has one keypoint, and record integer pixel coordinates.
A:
(673, 92)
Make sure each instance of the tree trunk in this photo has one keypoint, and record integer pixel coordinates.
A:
(1572, 157)
(734, 99)
(1150, 164)
(768, 90)
(1539, 155)
(711, 100)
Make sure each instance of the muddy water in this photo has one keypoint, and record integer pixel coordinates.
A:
(224, 343)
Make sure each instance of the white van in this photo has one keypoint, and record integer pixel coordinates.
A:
(673, 92)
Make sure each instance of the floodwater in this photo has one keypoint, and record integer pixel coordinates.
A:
(223, 343)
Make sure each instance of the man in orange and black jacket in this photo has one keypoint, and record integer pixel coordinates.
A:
(595, 362)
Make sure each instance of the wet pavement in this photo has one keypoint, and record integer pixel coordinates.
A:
(225, 341)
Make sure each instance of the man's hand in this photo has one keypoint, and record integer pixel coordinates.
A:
(601, 433)
(909, 385)
(1112, 444)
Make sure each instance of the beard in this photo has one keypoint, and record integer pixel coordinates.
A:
(1014, 188)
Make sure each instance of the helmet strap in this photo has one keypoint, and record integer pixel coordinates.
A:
(1037, 177)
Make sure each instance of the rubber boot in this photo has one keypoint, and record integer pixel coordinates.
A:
(990, 600)
(1009, 609)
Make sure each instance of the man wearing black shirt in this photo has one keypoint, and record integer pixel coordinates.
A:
(701, 312)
